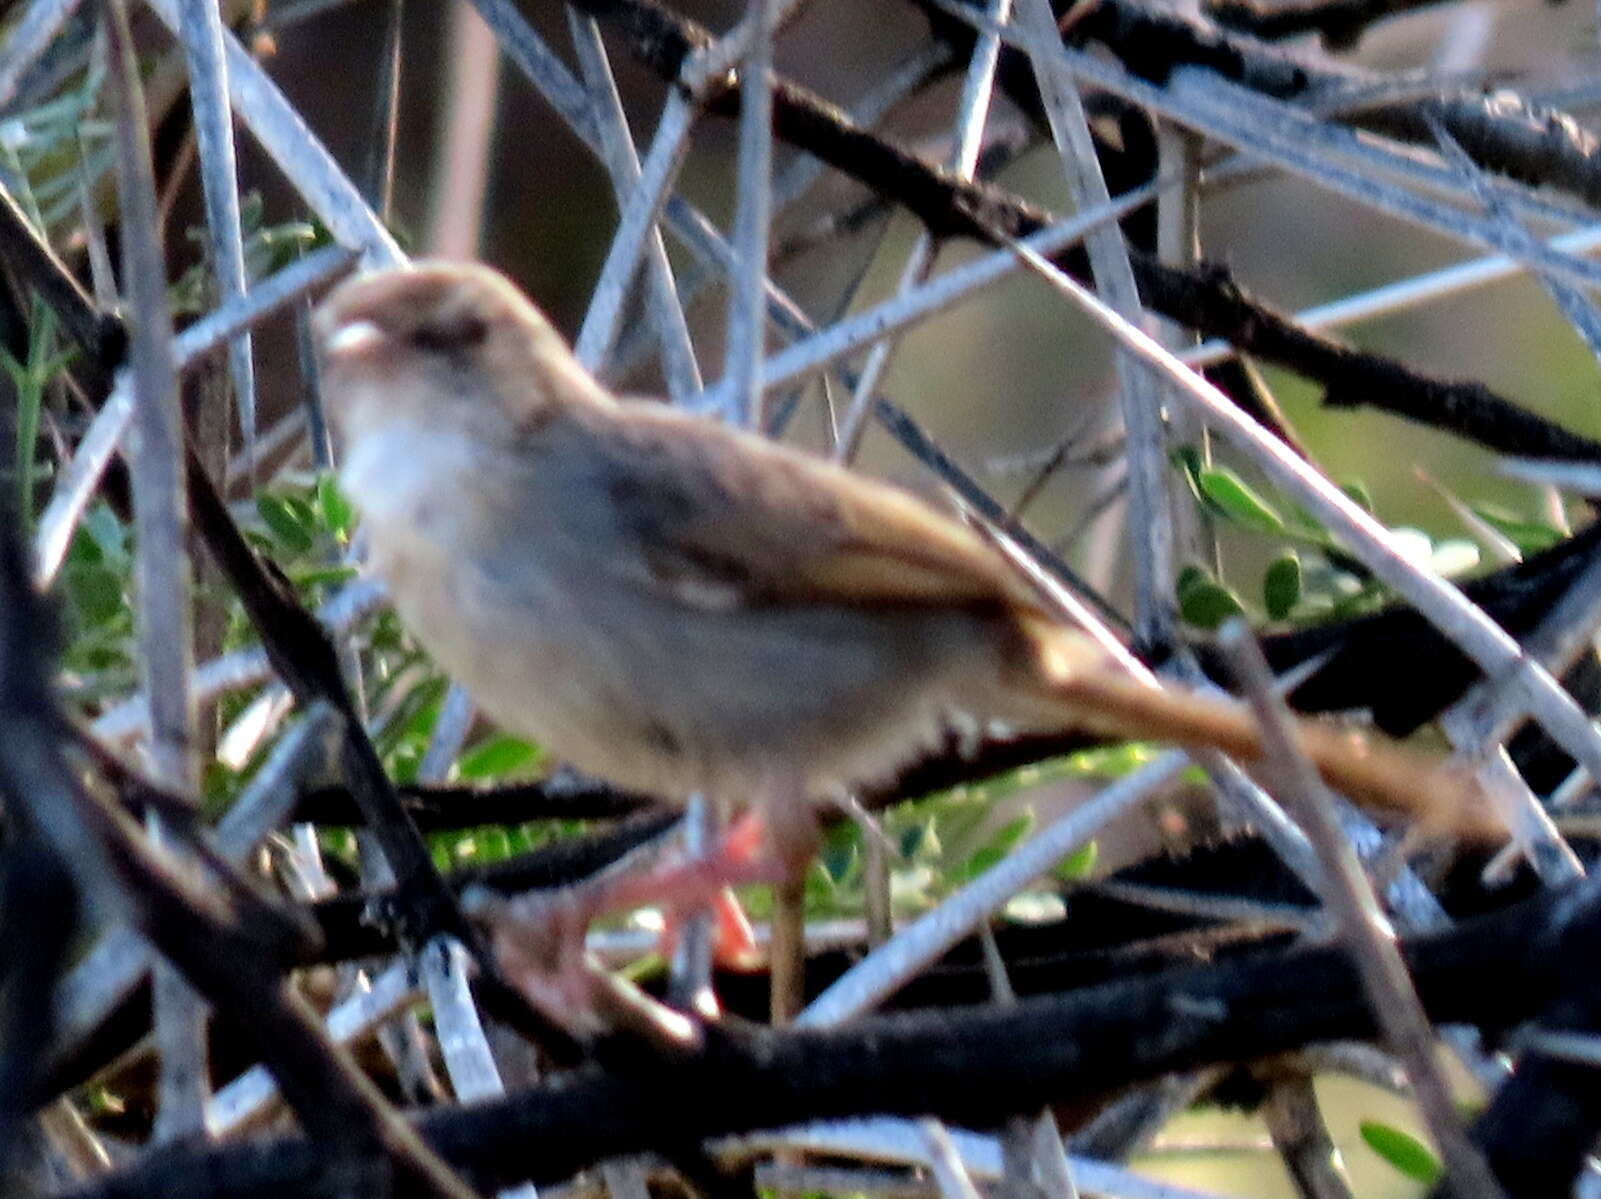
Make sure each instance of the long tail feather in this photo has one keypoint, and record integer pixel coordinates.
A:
(1094, 694)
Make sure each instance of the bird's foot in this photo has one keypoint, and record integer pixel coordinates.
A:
(538, 939)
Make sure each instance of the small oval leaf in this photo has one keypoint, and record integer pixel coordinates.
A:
(1079, 864)
(1190, 576)
(1187, 458)
(1529, 536)
(286, 521)
(337, 513)
(1402, 1150)
(1234, 499)
(496, 757)
(1357, 492)
(1207, 605)
(1281, 586)
(96, 592)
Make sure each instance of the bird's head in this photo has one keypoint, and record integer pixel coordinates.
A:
(444, 346)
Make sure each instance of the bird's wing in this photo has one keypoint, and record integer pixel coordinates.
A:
(724, 519)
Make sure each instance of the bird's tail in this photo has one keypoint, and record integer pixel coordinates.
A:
(1089, 691)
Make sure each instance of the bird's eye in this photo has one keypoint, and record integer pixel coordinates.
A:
(450, 335)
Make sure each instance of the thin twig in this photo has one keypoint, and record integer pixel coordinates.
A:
(843, 338)
(1307, 147)
(235, 959)
(950, 1175)
(303, 159)
(28, 38)
(712, 65)
(890, 1139)
(1570, 300)
(254, 1094)
(383, 141)
(738, 395)
(1051, 1048)
(472, 1069)
(242, 668)
(679, 368)
(1410, 292)
(971, 114)
(163, 613)
(1302, 1139)
(1362, 926)
(110, 971)
(1150, 521)
(666, 154)
(201, 31)
(1298, 142)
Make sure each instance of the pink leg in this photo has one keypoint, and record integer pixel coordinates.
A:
(733, 940)
(744, 856)
(540, 936)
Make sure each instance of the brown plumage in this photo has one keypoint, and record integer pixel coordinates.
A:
(680, 607)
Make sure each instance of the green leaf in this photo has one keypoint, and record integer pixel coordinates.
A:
(1187, 458)
(96, 591)
(1079, 864)
(919, 839)
(1402, 1150)
(1001, 844)
(313, 576)
(103, 1101)
(1207, 604)
(978, 863)
(839, 861)
(496, 757)
(109, 534)
(1190, 576)
(1233, 498)
(493, 844)
(1109, 761)
(1530, 536)
(1281, 586)
(1012, 832)
(1358, 493)
(84, 549)
(519, 839)
(290, 520)
(337, 514)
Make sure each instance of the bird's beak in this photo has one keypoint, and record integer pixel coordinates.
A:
(351, 339)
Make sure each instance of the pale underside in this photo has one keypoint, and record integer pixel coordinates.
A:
(698, 654)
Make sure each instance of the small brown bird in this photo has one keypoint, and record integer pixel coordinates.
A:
(680, 607)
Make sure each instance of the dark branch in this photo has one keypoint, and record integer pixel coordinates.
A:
(1340, 23)
(973, 1066)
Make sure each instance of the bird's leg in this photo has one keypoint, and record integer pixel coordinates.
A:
(791, 842)
(539, 935)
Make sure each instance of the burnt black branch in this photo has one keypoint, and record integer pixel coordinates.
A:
(973, 1066)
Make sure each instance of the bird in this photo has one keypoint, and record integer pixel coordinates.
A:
(680, 607)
